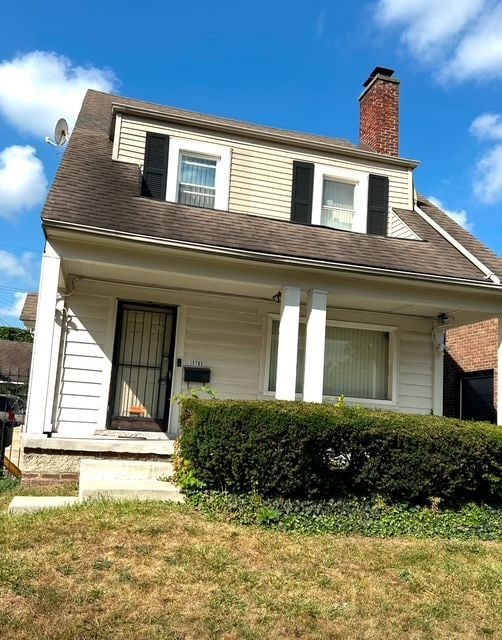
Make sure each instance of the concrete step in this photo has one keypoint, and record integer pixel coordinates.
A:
(30, 504)
(127, 470)
(132, 489)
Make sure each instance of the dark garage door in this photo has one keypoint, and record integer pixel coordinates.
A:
(476, 397)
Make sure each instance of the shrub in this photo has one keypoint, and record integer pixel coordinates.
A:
(352, 516)
(293, 449)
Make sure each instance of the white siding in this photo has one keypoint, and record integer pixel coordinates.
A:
(229, 337)
(83, 365)
(261, 173)
(229, 342)
(415, 372)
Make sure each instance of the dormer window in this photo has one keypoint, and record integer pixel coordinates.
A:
(198, 174)
(187, 171)
(197, 181)
(339, 198)
(337, 209)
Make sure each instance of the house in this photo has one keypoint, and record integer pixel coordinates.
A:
(184, 249)
(15, 360)
(29, 311)
(470, 371)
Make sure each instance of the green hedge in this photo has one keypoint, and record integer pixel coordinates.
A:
(301, 450)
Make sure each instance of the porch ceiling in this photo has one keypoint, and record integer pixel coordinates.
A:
(229, 279)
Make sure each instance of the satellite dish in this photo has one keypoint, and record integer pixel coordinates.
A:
(61, 134)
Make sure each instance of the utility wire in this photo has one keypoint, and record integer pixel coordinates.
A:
(17, 289)
(13, 246)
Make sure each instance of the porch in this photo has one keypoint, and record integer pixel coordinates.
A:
(264, 329)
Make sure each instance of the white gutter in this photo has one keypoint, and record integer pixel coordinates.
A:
(459, 247)
(256, 256)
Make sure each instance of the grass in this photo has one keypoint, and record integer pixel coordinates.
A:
(161, 571)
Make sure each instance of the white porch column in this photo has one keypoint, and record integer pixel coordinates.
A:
(499, 373)
(314, 347)
(287, 351)
(438, 341)
(42, 376)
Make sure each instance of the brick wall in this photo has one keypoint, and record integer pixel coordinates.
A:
(379, 113)
(471, 348)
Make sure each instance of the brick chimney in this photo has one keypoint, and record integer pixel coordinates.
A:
(379, 112)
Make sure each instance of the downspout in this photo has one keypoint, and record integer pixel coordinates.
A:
(489, 275)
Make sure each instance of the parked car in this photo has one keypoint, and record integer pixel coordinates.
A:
(12, 410)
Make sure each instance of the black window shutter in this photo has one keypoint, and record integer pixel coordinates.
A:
(155, 168)
(301, 198)
(378, 205)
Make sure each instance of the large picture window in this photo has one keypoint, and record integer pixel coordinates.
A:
(357, 361)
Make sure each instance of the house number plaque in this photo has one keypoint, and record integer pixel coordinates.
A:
(196, 363)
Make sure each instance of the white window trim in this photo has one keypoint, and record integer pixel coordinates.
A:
(359, 179)
(393, 360)
(223, 157)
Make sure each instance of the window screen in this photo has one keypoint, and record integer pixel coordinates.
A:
(197, 181)
(337, 204)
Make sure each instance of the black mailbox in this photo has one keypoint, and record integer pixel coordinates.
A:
(197, 374)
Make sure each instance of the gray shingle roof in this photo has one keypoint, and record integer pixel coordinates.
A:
(246, 127)
(29, 311)
(15, 360)
(92, 190)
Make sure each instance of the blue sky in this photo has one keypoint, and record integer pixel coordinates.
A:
(291, 64)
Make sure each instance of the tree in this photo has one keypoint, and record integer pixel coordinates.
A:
(15, 334)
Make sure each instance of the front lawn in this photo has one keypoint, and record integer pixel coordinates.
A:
(161, 571)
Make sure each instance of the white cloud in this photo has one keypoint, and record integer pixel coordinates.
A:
(488, 170)
(22, 180)
(14, 310)
(429, 25)
(488, 176)
(38, 88)
(487, 126)
(23, 267)
(480, 51)
(460, 216)
(462, 38)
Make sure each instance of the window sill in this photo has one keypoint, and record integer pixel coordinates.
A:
(334, 399)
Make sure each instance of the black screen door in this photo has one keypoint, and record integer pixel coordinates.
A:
(476, 397)
(143, 365)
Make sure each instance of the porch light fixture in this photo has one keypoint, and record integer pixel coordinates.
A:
(277, 297)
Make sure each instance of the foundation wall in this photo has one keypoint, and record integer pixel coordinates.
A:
(41, 467)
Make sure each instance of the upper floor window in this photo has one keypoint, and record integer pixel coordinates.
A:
(340, 198)
(198, 173)
(337, 209)
(186, 171)
(197, 181)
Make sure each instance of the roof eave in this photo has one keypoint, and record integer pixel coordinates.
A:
(270, 257)
(279, 136)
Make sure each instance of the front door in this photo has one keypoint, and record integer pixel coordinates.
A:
(142, 367)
